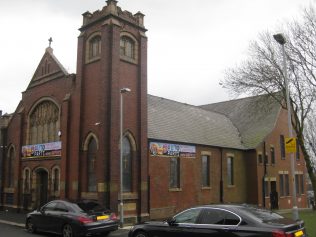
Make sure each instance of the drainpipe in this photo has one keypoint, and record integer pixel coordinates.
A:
(264, 175)
(221, 188)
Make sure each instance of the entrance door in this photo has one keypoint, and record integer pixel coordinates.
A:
(42, 187)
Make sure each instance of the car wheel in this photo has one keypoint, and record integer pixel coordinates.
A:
(30, 227)
(67, 231)
(141, 234)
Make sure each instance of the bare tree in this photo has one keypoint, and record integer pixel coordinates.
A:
(262, 73)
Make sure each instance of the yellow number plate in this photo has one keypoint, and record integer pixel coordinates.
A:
(299, 233)
(99, 218)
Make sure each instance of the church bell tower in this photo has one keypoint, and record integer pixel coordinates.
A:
(112, 59)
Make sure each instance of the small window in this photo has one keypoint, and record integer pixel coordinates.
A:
(302, 184)
(56, 179)
(284, 185)
(95, 47)
(299, 184)
(26, 180)
(272, 154)
(287, 185)
(281, 177)
(205, 171)
(174, 172)
(266, 189)
(266, 159)
(260, 158)
(297, 150)
(282, 147)
(127, 47)
(230, 171)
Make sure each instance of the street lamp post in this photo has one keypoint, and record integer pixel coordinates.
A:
(281, 40)
(122, 91)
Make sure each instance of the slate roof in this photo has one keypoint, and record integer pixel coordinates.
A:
(174, 121)
(254, 117)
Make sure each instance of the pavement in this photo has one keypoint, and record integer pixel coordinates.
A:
(18, 219)
(13, 218)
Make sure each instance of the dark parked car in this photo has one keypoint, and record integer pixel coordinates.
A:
(71, 218)
(220, 221)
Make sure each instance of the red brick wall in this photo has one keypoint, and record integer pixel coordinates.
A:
(165, 201)
(281, 127)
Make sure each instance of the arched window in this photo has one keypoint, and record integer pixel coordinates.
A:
(44, 123)
(95, 47)
(27, 180)
(127, 47)
(92, 150)
(127, 165)
(10, 168)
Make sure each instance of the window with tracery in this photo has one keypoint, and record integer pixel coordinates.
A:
(91, 157)
(44, 123)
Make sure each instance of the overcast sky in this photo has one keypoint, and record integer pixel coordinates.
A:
(190, 43)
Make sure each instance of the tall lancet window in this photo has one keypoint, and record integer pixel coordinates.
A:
(127, 165)
(92, 150)
(10, 168)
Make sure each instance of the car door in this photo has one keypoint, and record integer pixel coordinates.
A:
(181, 225)
(58, 217)
(45, 219)
(217, 222)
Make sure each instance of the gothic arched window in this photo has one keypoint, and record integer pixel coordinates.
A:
(127, 165)
(91, 157)
(44, 123)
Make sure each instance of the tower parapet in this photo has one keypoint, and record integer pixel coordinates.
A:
(111, 9)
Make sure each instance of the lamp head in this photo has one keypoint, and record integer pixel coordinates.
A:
(125, 90)
(280, 38)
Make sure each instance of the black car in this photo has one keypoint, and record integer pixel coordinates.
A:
(72, 218)
(220, 221)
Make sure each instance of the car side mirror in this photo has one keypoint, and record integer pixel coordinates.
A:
(42, 210)
(171, 221)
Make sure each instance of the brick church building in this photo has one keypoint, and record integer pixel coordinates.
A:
(63, 140)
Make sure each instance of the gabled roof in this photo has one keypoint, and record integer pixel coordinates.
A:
(48, 69)
(173, 121)
(255, 117)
